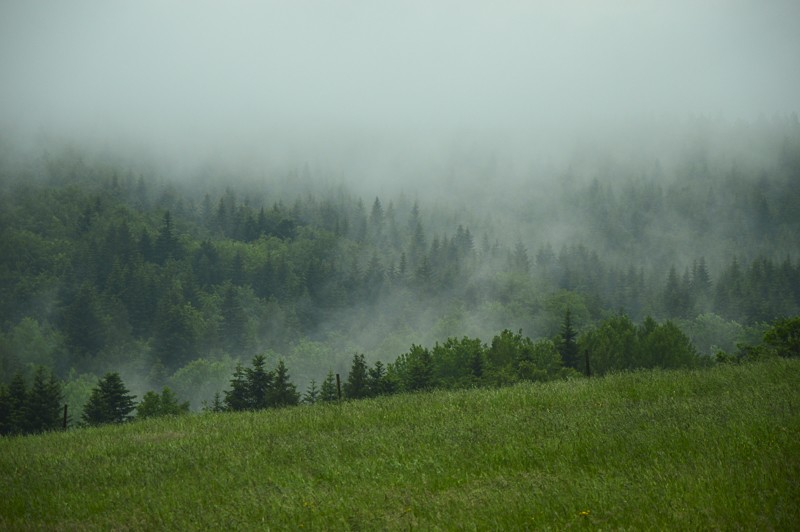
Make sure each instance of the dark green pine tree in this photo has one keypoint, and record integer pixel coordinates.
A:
(673, 296)
(44, 402)
(356, 385)
(166, 245)
(83, 327)
(402, 269)
(568, 346)
(424, 274)
(238, 275)
(234, 322)
(701, 279)
(284, 392)
(373, 278)
(109, 402)
(687, 301)
(376, 218)
(217, 405)
(206, 265)
(377, 384)
(238, 397)
(520, 263)
(416, 250)
(730, 293)
(260, 384)
(176, 329)
(312, 393)
(328, 392)
(5, 410)
(17, 405)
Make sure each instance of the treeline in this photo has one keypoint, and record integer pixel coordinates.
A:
(616, 345)
(103, 268)
(40, 407)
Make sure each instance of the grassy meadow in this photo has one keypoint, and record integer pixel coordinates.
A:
(717, 448)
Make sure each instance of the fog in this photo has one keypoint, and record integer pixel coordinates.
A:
(361, 86)
(481, 110)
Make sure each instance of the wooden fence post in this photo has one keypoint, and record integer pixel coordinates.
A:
(65, 417)
(338, 387)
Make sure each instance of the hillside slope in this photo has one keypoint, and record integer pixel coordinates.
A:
(714, 448)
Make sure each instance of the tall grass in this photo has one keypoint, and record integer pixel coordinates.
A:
(649, 450)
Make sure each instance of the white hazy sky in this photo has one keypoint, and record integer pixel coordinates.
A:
(222, 71)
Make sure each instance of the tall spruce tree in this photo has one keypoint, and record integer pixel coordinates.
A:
(44, 402)
(377, 383)
(17, 405)
(284, 392)
(328, 391)
(5, 410)
(260, 384)
(238, 397)
(110, 402)
(356, 385)
(568, 346)
(234, 321)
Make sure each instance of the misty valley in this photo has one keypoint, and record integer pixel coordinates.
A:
(218, 289)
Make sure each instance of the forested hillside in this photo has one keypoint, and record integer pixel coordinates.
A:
(112, 265)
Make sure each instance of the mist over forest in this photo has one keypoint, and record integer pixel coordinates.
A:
(186, 186)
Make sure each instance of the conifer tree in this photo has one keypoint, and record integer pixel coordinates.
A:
(83, 326)
(520, 263)
(44, 402)
(376, 380)
(217, 405)
(376, 218)
(5, 410)
(673, 295)
(312, 393)
(234, 321)
(284, 392)
(701, 279)
(238, 397)
(110, 402)
(17, 405)
(166, 245)
(568, 346)
(328, 392)
(356, 385)
(260, 384)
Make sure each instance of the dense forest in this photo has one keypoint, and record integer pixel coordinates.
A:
(176, 280)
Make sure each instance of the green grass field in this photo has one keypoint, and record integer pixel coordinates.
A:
(716, 448)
